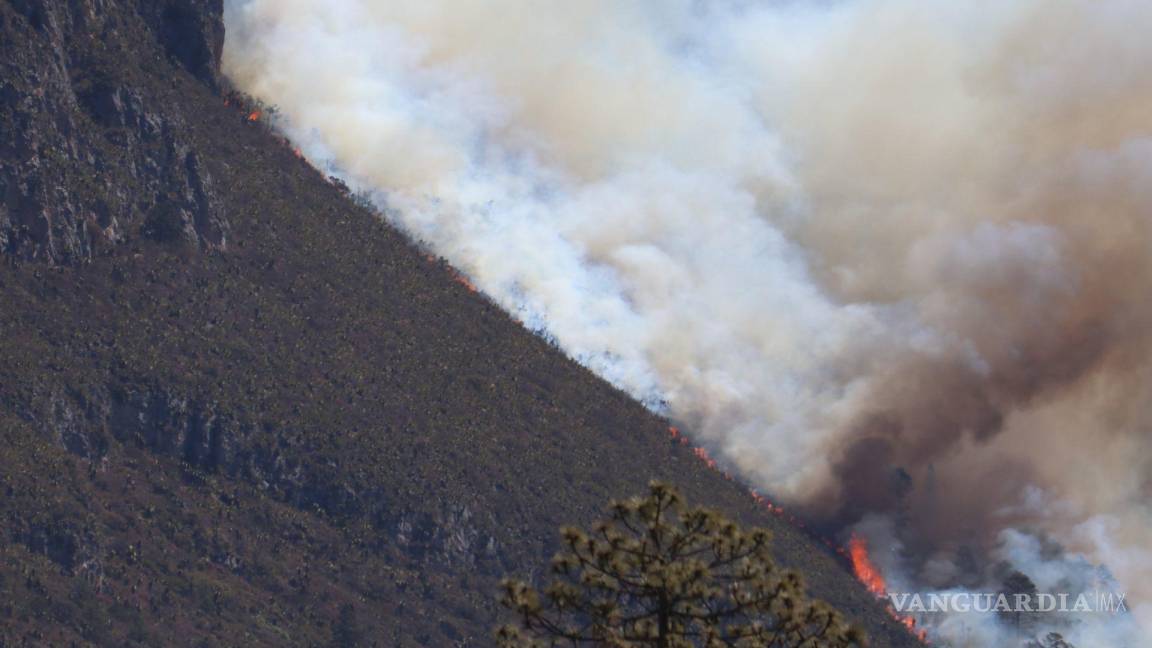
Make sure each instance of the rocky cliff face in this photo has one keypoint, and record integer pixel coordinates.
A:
(204, 436)
(236, 408)
(91, 157)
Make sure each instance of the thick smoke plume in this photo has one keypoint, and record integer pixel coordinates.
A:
(887, 256)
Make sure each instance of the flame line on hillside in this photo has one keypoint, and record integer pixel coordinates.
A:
(864, 570)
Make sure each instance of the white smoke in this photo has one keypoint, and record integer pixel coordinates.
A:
(835, 239)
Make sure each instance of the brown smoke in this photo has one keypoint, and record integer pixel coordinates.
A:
(885, 255)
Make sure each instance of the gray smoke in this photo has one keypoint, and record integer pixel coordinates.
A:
(885, 256)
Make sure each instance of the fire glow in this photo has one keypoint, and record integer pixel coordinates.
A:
(863, 568)
(867, 573)
(872, 315)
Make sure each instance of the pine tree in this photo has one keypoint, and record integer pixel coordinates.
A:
(656, 574)
(1018, 584)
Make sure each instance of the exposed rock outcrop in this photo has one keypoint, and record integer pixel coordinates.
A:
(208, 439)
(90, 159)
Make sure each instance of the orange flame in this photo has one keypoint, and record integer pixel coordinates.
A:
(867, 573)
(703, 455)
(464, 281)
(863, 567)
(454, 274)
(254, 116)
(910, 624)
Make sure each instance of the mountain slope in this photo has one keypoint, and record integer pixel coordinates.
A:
(237, 408)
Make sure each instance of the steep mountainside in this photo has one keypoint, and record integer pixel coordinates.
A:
(237, 409)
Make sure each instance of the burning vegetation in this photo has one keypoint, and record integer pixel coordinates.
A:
(863, 568)
(868, 574)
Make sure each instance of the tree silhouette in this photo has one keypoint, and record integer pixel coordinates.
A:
(657, 574)
(1018, 584)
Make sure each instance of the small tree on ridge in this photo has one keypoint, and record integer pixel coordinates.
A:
(655, 574)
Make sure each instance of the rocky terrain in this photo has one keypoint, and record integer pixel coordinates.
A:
(238, 409)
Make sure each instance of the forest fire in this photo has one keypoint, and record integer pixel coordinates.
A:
(867, 573)
(702, 455)
(464, 281)
(763, 501)
(862, 566)
(455, 274)
(857, 550)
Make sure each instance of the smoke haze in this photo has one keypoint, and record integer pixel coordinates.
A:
(886, 257)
